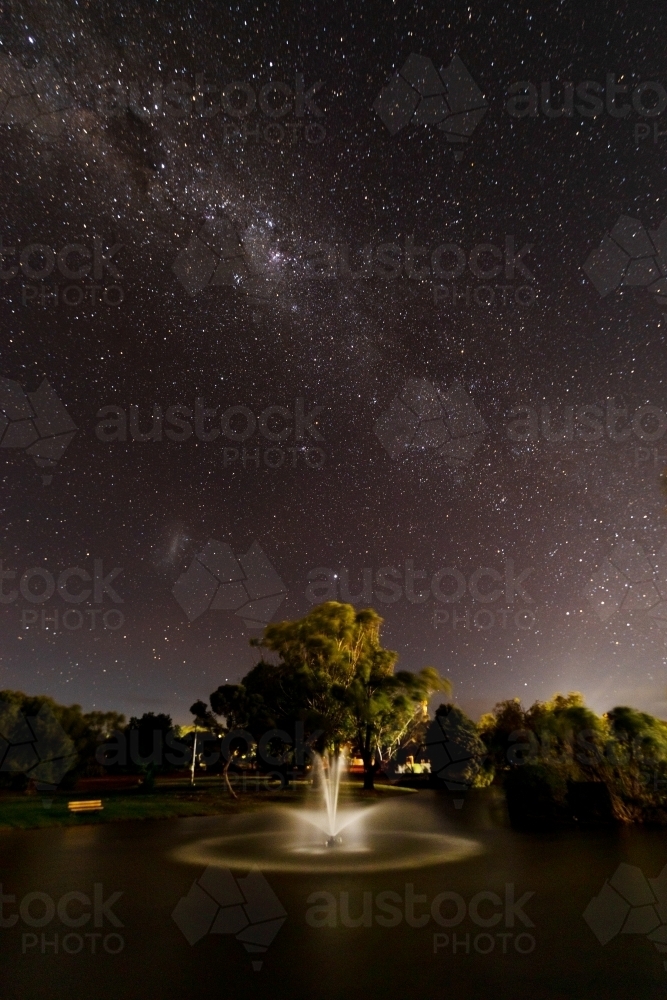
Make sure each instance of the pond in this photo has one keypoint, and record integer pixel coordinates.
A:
(148, 910)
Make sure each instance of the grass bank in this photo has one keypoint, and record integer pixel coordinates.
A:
(169, 799)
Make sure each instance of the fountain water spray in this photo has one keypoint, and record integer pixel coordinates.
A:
(300, 840)
(330, 769)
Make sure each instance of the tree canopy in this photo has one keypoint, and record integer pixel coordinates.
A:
(47, 743)
(334, 677)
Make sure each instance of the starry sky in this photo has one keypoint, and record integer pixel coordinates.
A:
(252, 234)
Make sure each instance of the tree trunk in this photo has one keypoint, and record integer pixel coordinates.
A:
(370, 767)
(225, 772)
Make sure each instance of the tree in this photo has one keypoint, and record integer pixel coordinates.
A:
(500, 729)
(386, 708)
(560, 748)
(638, 753)
(147, 735)
(235, 705)
(49, 743)
(319, 655)
(335, 678)
(205, 720)
(640, 732)
(203, 715)
(459, 759)
(103, 724)
(562, 734)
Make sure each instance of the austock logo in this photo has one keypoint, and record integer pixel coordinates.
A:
(446, 909)
(423, 419)
(419, 94)
(435, 271)
(217, 580)
(75, 262)
(629, 903)
(218, 256)
(283, 437)
(219, 903)
(35, 746)
(629, 581)
(648, 99)
(454, 753)
(587, 423)
(256, 261)
(35, 422)
(448, 586)
(183, 97)
(72, 909)
(37, 98)
(38, 586)
(630, 256)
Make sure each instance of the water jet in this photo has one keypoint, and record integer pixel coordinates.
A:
(380, 836)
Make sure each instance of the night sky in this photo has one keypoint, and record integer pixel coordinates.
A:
(264, 241)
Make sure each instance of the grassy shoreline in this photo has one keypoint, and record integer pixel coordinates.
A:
(169, 799)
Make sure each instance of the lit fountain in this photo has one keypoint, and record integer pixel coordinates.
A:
(329, 771)
(312, 840)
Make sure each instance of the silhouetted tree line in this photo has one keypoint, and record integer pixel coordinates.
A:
(325, 682)
(559, 761)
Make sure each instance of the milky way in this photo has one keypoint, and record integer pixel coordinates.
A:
(290, 313)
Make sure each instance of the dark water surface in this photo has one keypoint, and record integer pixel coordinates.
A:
(545, 949)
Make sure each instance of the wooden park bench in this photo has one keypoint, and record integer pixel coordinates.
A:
(85, 805)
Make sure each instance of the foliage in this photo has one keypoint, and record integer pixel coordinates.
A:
(147, 736)
(335, 678)
(204, 717)
(561, 742)
(459, 757)
(65, 732)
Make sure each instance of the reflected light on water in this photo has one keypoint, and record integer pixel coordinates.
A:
(379, 837)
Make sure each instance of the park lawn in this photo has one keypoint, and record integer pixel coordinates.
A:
(165, 801)
(30, 813)
(169, 799)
